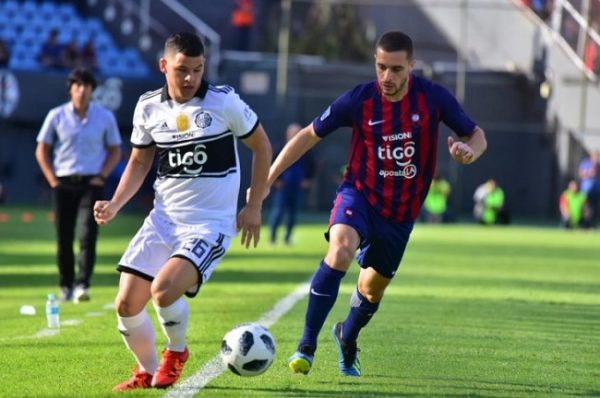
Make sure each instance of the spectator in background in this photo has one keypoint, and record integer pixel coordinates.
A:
(436, 203)
(287, 190)
(51, 53)
(89, 59)
(572, 205)
(4, 55)
(489, 204)
(242, 20)
(589, 175)
(70, 58)
(78, 146)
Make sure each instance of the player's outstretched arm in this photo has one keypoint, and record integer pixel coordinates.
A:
(137, 168)
(292, 151)
(249, 218)
(469, 150)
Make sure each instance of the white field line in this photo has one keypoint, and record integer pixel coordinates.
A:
(214, 367)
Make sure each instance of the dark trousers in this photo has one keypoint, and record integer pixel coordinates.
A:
(74, 200)
(285, 201)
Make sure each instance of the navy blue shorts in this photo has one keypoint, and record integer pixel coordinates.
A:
(383, 241)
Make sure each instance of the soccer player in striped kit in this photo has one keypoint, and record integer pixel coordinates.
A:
(394, 122)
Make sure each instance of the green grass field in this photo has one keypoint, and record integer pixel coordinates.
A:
(473, 311)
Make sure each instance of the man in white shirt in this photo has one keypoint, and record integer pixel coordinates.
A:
(194, 129)
(78, 146)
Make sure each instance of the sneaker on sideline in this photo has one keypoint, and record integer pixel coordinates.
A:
(301, 361)
(65, 294)
(81, 293)
(170, 368)
(348, 353)
(140, 379)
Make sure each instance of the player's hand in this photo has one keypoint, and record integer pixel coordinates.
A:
(248, 222)
(460, 151)
(104, 211)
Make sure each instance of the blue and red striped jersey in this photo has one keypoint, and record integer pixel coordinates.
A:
(393, 149)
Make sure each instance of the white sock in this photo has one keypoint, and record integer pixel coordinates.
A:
(174, 321)
(138, 334)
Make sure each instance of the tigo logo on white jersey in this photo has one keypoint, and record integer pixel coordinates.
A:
(192, 162)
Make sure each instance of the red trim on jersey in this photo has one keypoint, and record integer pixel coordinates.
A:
(368, 144)
(356, 150)
(387, 191)
(405, 125)
(427, 155)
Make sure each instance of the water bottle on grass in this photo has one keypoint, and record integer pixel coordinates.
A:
(52, 311)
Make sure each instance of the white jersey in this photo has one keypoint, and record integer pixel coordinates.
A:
(198, 178)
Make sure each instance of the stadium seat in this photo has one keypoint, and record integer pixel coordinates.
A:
(24, 26)
(29, 9)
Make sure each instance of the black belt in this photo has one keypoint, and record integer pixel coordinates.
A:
(76, 178)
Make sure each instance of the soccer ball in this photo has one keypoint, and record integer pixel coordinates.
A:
(248, 349)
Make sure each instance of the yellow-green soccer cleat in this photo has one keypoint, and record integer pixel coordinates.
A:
(300, 362)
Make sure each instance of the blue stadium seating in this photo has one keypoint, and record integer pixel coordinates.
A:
(25, 25)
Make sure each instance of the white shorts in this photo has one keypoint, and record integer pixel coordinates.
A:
(158, 240)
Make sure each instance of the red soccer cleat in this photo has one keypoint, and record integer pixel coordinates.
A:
(170, 368)
(140, 379)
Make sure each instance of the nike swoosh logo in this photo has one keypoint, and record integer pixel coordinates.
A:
(312, 291)
(372, 123)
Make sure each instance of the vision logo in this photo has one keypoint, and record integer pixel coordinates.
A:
(192, 161)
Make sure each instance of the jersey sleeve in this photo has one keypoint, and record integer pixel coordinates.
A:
(338, 114)
(452, 114)
(47, 132)
(241, 118)
(140, 136)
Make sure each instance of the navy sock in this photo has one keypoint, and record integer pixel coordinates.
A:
(324, 289)
(361, 312)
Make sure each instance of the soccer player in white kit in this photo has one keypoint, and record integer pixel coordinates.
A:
(193, 127)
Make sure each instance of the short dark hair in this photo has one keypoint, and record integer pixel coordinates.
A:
(81, 75)
(396, 41)
(187, 43)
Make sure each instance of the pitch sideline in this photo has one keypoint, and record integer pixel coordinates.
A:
(214, 367)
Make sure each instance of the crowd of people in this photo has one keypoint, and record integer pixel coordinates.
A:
(57, 55)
